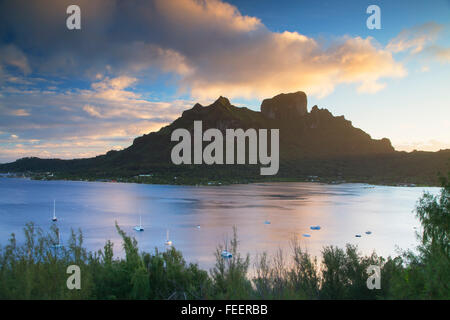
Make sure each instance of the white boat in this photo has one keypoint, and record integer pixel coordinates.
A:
(198, 226)
(226, 254)
(54, 211)
(139, 227)
(168, 242)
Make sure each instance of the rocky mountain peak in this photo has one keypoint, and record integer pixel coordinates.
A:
(285, 105)
(222, 101)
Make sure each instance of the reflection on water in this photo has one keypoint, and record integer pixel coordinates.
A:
(341, 210)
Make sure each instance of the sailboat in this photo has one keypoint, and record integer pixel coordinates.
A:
(58, 244)
(168, 242)
(139, 227)
(54, 219)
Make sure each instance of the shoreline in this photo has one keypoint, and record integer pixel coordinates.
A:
(216, 183)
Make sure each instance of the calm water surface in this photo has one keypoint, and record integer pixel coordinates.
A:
(341, 210)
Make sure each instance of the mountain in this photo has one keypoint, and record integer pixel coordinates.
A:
(314, 143)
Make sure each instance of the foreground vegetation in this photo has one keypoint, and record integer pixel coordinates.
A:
(37, 269)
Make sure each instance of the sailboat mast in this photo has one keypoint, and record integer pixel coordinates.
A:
(54, 209)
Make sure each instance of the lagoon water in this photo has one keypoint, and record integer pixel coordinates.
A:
(341, 210)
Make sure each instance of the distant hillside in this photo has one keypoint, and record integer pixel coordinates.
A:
(314, 143)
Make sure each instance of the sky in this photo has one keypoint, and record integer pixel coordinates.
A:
(136, 65)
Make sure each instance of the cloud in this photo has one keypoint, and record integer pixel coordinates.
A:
(415, 39)
(421, 40)
(440, 53)
(118, 83)
(429, 145)
(20, 113)
(10, 55)
(289, 62)
(92, 111)
(52, 150)
(78, 122)
(209, 46)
